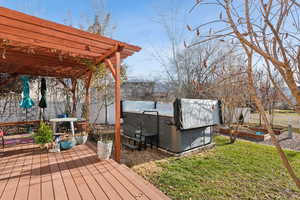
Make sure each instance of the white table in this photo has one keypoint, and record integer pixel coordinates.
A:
(68, 119)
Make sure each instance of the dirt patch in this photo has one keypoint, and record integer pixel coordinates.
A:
(134, 158)
(147, 169)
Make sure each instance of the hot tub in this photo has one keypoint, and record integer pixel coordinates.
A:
(181, 126)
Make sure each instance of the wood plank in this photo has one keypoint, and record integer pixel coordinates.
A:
(117, 137)
(102, 182)
(151, 191)
(35, 179)
(13, 178)
(42, 59)
(2, 124)
(71, 188)
(89, 179)
(109, 53)
(58, 184)
(46, 184)
(7, 170)
(26, 70)
(73, 174)
(122, 191)
(8, 35)
(49, 35)
(87, 37)
(23, 187)
(137, 193)
(77, 177)
(111, 67)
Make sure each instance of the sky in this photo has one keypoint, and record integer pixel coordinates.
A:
(137, 22)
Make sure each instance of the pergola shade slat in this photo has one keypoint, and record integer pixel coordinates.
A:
(54, 37)
(21, 32)
(70, 31)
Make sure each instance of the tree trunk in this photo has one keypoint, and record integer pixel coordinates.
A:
(105, 108)
(267, 124)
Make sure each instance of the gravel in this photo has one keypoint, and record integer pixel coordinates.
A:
(285, 142)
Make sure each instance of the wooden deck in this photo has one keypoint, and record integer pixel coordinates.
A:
(28, 173)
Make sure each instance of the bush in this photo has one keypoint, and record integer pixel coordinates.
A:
(44, 134)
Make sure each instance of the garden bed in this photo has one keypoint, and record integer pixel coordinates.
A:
(251, 132)
(244, 133)
(259, 129)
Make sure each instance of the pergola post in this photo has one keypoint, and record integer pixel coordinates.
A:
(118, 107)
(87, 100)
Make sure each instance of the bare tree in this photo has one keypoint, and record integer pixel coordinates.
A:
(267, 31)
(230, 88)
(194, 71)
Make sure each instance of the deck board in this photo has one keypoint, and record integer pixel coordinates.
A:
(35, 178)
(23, 187)
(102, 182)
(28, 173)
(71, 188)
(58, 184)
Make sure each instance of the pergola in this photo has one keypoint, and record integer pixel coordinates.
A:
(37, 47)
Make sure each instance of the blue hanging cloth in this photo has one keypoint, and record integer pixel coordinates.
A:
(26, 102)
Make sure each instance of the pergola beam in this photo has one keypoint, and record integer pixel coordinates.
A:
(9, 69)
(117, 48)
(41, 43)
(111, 67)
(65, 32)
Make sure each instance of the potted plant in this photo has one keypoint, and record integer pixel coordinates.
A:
(81, 137)
(82, 128)
(43, 136)
(104, 148)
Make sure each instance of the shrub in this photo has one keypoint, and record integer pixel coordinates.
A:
(44, 134)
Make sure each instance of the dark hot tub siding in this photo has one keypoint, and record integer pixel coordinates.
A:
(170, 139)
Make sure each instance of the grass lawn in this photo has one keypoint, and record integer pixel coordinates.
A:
(243, 170)
(284, 111)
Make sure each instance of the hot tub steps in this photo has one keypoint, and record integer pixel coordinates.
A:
(132, 143)
(130, 146)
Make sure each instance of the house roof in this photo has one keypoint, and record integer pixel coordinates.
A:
(34, 46)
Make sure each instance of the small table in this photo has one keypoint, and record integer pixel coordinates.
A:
(68, 119)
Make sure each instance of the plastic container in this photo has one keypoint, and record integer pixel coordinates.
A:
(259, 133)
(104, 149)
(67, 144)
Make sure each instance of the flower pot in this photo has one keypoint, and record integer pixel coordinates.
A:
(44, 146)
(81, 139)
(104, 149)
(67, 144)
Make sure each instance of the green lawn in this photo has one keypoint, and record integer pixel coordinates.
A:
(243, 170)
(284, 111)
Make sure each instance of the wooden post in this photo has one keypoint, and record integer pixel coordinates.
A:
(87, 100)
(118, 107)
